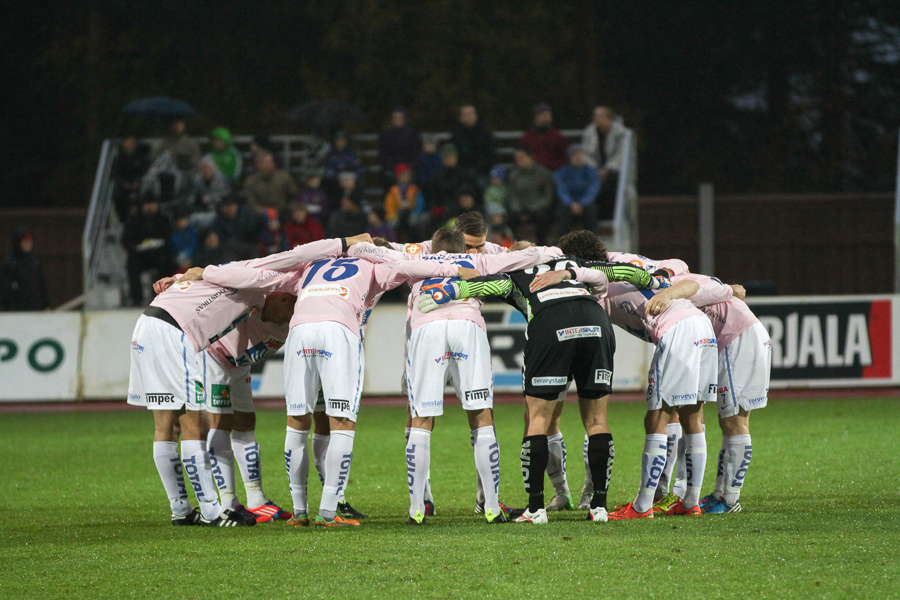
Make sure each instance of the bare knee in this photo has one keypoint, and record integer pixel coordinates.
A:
(691, 418)
(301, 423)
(321, 424)
(480, 418)
(223, 421)
(244, 421)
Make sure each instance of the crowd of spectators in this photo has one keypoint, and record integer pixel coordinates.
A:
(180, 207)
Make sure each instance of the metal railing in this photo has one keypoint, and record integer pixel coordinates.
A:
(98, 214)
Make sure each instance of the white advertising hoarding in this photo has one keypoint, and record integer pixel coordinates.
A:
(39, 354)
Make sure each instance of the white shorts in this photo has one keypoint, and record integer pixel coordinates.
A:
(326, 355)
(684, 366)
(453, 347)
(227, 389)
(744, 367)
(166, 373)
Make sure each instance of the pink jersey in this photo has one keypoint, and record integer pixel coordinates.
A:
(468, 309)
(251, 342)
(676, 266)
(730, 316)
(626, 306)
(338, 289)
(425, 248)
(207, 311)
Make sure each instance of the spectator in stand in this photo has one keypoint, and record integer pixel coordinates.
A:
(269, 187)
(577, 186)
(465, 202)
(211, 251)
(398, 144)
(474, 142)
(496, 194)
(349, 218)
(378, 227)
(210, 187)
(227, 157)
(184, 150)
(22, 283)
(342, 158)
(499, 231)
(313, 197)
(347, 188)
(604, 146)
(185, 241)
(146, 237)
(530, 195)
(547, 144)
(443, 191)
(127, 170)
(404, 205)
(303, 227)
(238, 228)
(273, 239)
(260, 145)
(429, 161)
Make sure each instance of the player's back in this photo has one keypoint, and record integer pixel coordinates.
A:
(730, 316)
(335, 289)
(205, 311)
(626, 305)
(674, 265)
(533, 303)
(467, 308)
(251, 342)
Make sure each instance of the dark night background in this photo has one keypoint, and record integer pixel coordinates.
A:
(782, 95)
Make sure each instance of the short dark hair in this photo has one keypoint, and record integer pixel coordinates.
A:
(448, 240)
(582, 244)
(471, 223)
(381, 242)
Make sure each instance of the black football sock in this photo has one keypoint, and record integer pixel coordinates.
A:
(600, 459)
(534, 457)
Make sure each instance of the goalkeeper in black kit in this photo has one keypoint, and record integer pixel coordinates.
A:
(569, 337)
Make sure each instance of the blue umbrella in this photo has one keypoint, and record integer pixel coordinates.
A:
(159, 106)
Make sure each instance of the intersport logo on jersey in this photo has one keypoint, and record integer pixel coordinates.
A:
(828, 338)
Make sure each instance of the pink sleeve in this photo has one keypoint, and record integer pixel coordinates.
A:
(492, 248)
(675, 265)
(377, 254)
(513, 261)
(390, 275)
(239, 276)
(299, 256)
(710, 292)
(596, 279)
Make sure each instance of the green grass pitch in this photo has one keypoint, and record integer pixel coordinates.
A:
(84, 515)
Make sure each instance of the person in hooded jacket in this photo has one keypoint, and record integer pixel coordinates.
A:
(22, 283)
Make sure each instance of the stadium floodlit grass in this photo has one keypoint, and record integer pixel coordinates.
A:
(85, 515)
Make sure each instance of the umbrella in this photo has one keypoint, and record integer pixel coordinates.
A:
(159, 106)
(326, 113)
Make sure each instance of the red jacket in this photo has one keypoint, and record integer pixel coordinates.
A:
(548, 147)
(310, 231)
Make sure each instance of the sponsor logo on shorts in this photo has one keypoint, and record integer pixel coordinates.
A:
(137, 347)
(767, 344)
(759, 400)
(292, 406)
(549, 380)
(705, 342)
(134, 396)
(578, 332)
(199, 393)
(564, 293)
(677, 397)
(451, 356)
(482, 394)
(433, 403)
(603, 376)
(339, 404)
(723, 389)
(711, 389)
(314, 353)
(160, 398)
(220, 396)
(325, 289)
